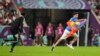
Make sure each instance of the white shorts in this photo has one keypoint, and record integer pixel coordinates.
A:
(65, 34)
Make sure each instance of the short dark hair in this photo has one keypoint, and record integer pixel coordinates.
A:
(75, 13)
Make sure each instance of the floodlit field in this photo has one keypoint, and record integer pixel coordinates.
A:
(45, 51)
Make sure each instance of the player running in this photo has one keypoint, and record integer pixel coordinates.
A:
(68, 33)
(16, 28)
(71, 23)
(73, 31)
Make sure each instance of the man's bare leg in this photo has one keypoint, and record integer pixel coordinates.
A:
(73, 41)
(63, 37)
(54, 45)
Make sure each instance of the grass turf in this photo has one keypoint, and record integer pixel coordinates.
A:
(45, 51)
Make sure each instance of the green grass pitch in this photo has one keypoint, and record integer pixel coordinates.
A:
(45, 51)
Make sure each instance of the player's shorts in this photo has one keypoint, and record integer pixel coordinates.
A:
(64, 35)
(73, 32)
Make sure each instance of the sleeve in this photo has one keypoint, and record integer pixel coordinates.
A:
(73, 19)
(82, 24)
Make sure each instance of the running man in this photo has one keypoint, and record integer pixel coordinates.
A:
(16, 28)
(73, 31)
(67, 33)
(67, 30)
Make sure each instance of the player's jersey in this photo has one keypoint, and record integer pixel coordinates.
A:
(67, 28)
(76, 27)
(39, 30)
(49, 30)
(73, 19)
(70, 23)
(59, 31)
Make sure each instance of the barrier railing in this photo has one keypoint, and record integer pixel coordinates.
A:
(95, 16)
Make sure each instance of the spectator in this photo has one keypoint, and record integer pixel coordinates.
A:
(95, 4)
(39, 33)
(59, 31)
(1, 13)
(92, 3)
(8, 5)
(98, 16)
(96, 38)
(90, 35)
(50, 34)
(10, 16)
(97, 9)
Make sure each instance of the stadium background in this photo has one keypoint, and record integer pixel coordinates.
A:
(55, 11)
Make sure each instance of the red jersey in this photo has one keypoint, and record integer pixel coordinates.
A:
(39, 30)
(49, 30)
(60, 30)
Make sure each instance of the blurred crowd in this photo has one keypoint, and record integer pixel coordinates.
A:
(42, 36)
(95, 5)
(95, 37)
(49, 35)
(7, 12)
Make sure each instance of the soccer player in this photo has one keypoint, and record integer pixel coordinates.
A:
(70, 24)
(73, 31)
(77, 26)
(68, 33)
(16, 28)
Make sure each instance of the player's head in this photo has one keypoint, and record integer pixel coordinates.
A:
(50, 24)
(75, 15)
(60, 24)
(38, 23)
